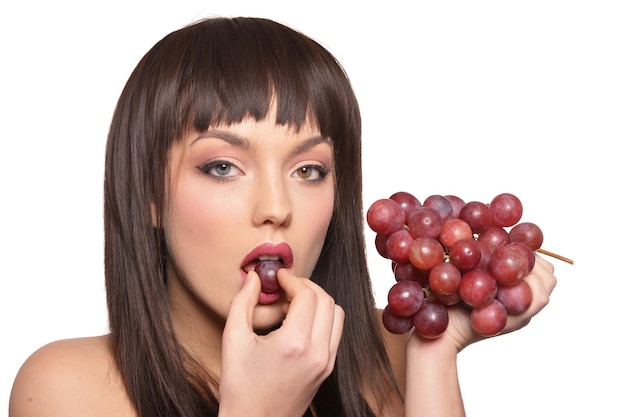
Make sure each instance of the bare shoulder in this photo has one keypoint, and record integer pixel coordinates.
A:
(73, 377)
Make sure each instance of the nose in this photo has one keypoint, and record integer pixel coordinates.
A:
(272, 204)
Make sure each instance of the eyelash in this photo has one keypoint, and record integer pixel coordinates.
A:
(321, 170)
(208, 168)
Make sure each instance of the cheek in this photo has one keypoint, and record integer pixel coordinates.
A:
(316, 216)
(198, 220)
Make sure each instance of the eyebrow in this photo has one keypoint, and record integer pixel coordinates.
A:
(238, 141)
(228, 137)
(308, 144)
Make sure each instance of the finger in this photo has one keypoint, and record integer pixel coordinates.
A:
(335, 337)
(545, 270)
(242, 305)
(302, 305)
(324, 317)
(327, 327)
(541, 282)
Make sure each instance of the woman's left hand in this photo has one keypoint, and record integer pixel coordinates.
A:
(541, 280)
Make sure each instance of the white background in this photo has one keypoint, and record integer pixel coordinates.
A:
(467, 98)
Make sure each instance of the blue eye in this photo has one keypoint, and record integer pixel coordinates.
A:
(219, 169)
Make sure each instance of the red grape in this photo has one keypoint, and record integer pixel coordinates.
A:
(516, 298)
(405, 298)
(425, 222)
(527, 233)
(457, 205)
(442, 205)
(396, 324)
(425, 253)
(508, 265)
(477, 215)
(385, 216)
(268, 271)
(380, 242)
(465, 254)
(490, 319)
(407, 201)
(495, 237)
(506, 210)
(530, 254)
(444, 278)
(448, 299)
(485, 255)
(408, 271)
(398, 244)
(478, 288)
(431, 320)
(454, 229)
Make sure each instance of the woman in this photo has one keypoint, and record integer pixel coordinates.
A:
(238, 140)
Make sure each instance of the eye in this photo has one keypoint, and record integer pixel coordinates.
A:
(311, 173)
(220, 169)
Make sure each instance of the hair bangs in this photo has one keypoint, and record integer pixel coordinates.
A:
(247, 66)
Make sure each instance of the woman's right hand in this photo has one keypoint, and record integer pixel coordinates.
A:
(279, 373)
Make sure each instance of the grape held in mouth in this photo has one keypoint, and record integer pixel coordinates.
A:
(472, 254)
(268, 271)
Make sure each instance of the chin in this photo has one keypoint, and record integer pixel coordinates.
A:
(267, 317)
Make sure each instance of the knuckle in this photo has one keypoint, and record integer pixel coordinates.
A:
(295, 348)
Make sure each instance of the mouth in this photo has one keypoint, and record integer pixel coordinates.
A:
(280, 252)
(251, 266)
(266, 259)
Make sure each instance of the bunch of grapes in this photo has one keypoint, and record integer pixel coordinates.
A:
(445, 251)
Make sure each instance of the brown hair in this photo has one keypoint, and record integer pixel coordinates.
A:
(221, 70)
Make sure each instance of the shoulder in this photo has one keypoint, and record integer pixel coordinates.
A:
(69, 378)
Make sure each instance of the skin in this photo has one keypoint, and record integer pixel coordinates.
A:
(215, 306)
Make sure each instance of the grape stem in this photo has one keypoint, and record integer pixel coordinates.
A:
(554, 255)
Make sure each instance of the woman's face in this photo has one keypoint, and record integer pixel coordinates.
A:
(238, 192)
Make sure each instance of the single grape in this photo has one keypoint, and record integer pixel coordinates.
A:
(485, 255)
(442, 205)
(380, 242)
(478, 288)
(465, 254)
(457, 205)
(495, 237)
(506, 210)
(527, 233)
(444, 278)
(398, 244)
(385, 216)
(405, 298)
(448, 299)
(407, 271)
(517, 298)
(477, 215)
(508, 264)
(425, 253)
(268, 271)
(407, 201)
(454, 229)
(431, 320)
(490, 319)
(425, 222)
(529, 253)
(396, 324)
